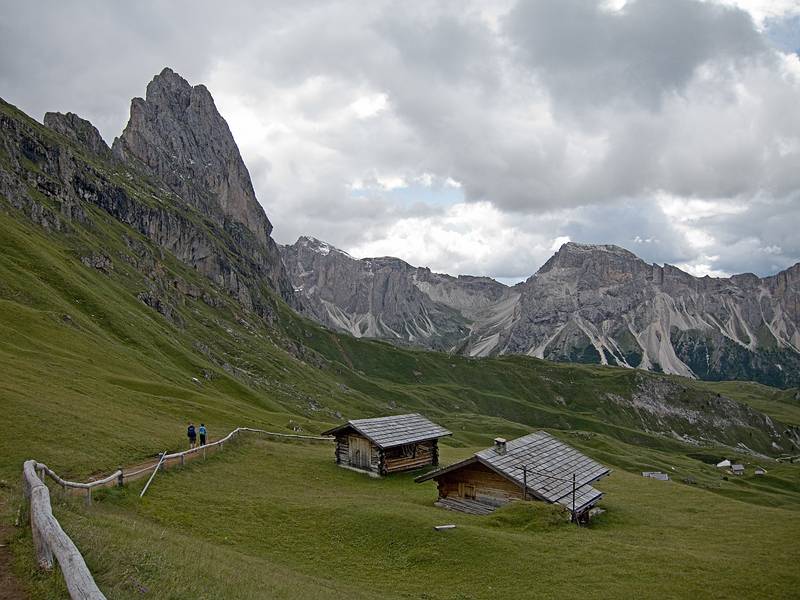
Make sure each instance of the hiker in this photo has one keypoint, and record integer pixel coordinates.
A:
(192, 435)
(202, 431)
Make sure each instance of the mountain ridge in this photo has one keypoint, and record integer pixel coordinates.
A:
(178, 141)
(596, 303)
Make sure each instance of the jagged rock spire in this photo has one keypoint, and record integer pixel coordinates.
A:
(177, 135)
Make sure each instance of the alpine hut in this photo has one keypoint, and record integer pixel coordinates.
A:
(388, 444)
(537, 466)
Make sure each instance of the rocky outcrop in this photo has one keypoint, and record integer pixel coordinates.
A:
(177, 136)
(589, 303)
(670, 408)
(78, 130)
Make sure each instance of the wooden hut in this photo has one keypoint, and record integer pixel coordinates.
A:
(388, 444)
(534, 467)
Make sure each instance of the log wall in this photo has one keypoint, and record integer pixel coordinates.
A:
(480, 483)
(391, 460)
(411, 456)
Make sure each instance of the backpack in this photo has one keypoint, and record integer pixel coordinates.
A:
(190, 431)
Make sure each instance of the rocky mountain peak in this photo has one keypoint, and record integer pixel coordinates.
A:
(177, 135)
(78, 130)
(318, 246)
(573, 254)
(593, 265)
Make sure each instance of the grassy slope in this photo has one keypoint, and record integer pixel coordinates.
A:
(93, 378)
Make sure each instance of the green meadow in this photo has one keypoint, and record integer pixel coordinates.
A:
(267, 519)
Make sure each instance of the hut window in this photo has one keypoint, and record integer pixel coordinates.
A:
(409, 450)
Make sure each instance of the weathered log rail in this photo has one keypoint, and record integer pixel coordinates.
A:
(49, 539)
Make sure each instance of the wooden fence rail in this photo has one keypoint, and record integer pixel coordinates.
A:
(49, 539)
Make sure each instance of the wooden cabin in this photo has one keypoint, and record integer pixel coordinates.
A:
(537, 466)
(388, 444)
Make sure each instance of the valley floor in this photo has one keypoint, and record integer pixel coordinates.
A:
(276, 519)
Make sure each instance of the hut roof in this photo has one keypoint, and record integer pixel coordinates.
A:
(387, 432)
(550, 464)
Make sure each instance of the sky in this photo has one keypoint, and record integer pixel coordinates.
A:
(469, 136)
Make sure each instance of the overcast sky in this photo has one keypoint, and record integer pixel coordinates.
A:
(470, 137)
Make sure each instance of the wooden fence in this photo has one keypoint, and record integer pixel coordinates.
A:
(49, 539)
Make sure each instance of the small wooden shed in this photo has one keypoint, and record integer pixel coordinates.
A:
(388, 444)
(537, 466)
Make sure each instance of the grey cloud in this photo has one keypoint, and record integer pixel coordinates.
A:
(590, 56)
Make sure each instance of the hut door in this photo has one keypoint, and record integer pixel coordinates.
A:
(359, 452)
(466, 490)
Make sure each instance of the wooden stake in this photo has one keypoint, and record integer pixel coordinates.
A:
(573, 498)
(524, 482)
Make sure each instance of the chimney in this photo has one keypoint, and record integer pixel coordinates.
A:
(500, 445)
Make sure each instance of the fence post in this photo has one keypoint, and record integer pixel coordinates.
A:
(574, 518)
(182, 460)
(88, 496)
(120, 478)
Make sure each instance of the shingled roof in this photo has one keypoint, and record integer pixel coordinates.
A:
(387, 432)
(550, 464)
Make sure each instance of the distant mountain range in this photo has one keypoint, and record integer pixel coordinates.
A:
(588, 303)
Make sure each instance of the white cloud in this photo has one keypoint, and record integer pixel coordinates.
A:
(764, 9)
(475, 238)
(703, 269)
(369, 106)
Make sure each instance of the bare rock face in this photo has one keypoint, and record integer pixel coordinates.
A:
(78, 130)
(589, 303)
(385, 297)
(603, 304)
(177, 135)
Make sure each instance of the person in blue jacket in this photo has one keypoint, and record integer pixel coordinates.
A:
(192, 434)
(202, 432)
